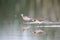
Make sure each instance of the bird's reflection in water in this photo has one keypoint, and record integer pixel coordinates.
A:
(28, 36)
(37, 32)
(25, 28)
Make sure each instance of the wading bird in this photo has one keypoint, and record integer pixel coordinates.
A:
(35, 21)
(26, 18)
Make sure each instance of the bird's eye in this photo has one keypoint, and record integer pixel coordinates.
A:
(33, 20)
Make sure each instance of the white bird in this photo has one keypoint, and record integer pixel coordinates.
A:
(35, 21)
(41, 21)
(36, 32)
(26, 18)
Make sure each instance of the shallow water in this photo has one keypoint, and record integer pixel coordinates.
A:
(13, 31)
(11, 22)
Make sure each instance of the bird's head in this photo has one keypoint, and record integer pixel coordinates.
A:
(22, 15)
(33, 20)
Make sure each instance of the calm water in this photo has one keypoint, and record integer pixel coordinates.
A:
(13, 31)
(11, 22)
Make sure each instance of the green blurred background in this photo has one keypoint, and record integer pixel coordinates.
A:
(11, 9)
